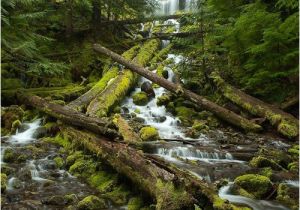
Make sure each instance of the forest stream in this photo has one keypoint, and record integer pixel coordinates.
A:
(69, 150)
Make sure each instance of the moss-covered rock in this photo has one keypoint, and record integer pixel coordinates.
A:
(9, 115)
(149, 133)
(185, 115)
(288, 196)
(140, 98)
(77, 155)
(254, 184)
(91, 203)
(9, 155)
(200, 125)
(59, 162)
(3, 182)
(261, 162)
(163, 100)
(83, 168)
(119, 195)
(135, 203)
(103, 181)
(70, 198)
(15, 125)
(294, 166)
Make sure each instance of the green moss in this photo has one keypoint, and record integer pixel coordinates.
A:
(83, 168)
(140, 98)
(78, 155)
(91, 203)
(288, 129)
(294, 166)
(59, 162)
(179, 197)
(3, 182)
(127, 132)
(200, 125)
(261, 162)
(135, 203)
(254, 184)
(137, 111)
(119, 195)
(161, 55)
(9, 155)
(70, 198)
(267, 171)
(149, 133)
(104, 182)
(220, 204)
(15, 125)
(164, 99)
(287, 196)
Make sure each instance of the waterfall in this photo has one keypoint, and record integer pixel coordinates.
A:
(28, 135)
(170, 7)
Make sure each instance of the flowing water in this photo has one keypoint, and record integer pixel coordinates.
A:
(204, 159)
(32, 183)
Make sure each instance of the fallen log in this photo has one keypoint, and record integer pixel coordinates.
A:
(286, 124)
(101, 105)
(87, 97)
(171, 188)
(66, 114)
(289, 103)
(219, 111)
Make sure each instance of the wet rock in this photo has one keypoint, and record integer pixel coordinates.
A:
(148, 89)
(140, 98)
(7, 170)
(17, 183)
(161, 119)
(32, 204)
(57, 200)
(163, 100)
(23, 127)
(125, 110)
(192, 133)
(149, 133)
(40, 132)
(288, 196)
(24, 174)
(260, 162)
(91, 203)
(139, 120)
(250, 185)
(10, 115)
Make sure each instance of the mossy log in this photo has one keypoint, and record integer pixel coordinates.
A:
(119, 87)
(286, 124)
(171, 188)
(66, 93)
(109, 75)
(66, 114)
(219, 111)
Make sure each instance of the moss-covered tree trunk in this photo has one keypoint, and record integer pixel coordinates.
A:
(66, 114)
(101, 105)
(171, 188)
(219, 111)
(109, 75)
(285, 123)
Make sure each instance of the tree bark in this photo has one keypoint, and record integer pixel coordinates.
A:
(87, 97)
(285, 123)
(170, 187)
(219, 111)
(101, 105)
(100, 126)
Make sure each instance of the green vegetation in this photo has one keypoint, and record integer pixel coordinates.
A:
(149, 134)
(140, 98)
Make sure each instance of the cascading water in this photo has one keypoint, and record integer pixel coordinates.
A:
(224, 193)
(27, 135)
(169, 7)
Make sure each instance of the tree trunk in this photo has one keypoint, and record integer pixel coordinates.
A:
(219, 111)
(101, 105)
(285, 123)
(170, 187)
(100, 126)
(87, 97)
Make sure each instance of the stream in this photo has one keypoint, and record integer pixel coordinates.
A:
(34, 181)
(205, 158)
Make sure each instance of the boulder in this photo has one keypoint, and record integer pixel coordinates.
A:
(149, 133)
(148, 89)
(140, 98)
(257, 185)
(91, 203)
